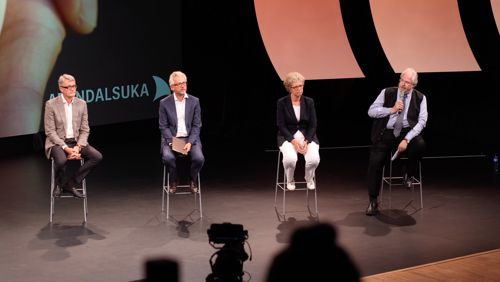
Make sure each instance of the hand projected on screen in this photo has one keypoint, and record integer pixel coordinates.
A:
(30, 41)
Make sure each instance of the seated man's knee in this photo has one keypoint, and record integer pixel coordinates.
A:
(59, 163)
(199, 159)
(97, 157)
(168, 159)
(418, 144)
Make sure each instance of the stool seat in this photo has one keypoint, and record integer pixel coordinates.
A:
(83, 190)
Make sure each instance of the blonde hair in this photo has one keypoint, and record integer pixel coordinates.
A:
(291, 78)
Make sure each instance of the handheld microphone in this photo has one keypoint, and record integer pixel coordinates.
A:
(401, 97)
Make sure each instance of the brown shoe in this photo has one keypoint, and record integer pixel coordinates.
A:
(173, 186)
(193, 186)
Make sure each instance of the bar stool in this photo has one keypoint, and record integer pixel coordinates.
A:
(83, 190)
(389, 180)
(282, 186)
(166, 190)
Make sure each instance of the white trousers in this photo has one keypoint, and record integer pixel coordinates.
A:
(290, 158)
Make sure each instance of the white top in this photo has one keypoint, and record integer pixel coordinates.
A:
(296, 109)
(68, 109)
(180, 108)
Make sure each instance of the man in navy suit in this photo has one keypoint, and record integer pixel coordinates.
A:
(180, 116)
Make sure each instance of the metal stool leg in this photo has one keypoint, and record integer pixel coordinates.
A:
(387, 180)
(84, 190)
(165, 190)
(277, 181)
(168, 195)
(52, 186)
(199, 192)
(390, 184)
(420, 183)
(279, 185)
(315, 195)
(382, 186)
(284, 190)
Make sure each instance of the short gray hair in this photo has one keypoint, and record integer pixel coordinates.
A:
(65, 77)
(414, 78)
(174, 74)
(291, 78)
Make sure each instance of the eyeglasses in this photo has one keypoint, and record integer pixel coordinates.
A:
(69, 87)
(405, 82)
(298, 87)
(180, 84)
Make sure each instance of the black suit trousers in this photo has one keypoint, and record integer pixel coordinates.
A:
(380, 154)
(91, 156)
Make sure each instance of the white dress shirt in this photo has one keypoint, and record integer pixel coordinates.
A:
(68, 109)
(180, 108)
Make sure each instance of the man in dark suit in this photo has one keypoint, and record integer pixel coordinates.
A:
(399, 116)
(67, 129)
(180, 116)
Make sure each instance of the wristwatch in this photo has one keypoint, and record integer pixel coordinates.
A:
(407, 141)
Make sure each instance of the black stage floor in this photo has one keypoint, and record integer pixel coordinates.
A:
(126, 227)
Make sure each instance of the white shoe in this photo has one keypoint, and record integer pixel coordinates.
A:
(311, 185)
(291, 185)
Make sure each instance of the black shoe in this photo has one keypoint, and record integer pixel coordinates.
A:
(70, 187)
(57, 191)
(75, 193)
(173, 186)
(193, 186)
(372, 209)
(407, 181)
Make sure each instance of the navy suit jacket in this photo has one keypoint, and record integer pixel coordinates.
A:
(287, 121)
(168, 119)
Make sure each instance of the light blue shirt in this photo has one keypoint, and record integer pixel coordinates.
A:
(377, 110)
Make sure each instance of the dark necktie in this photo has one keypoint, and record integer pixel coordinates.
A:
(398, 125)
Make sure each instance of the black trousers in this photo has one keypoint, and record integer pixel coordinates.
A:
(380, 153)
(92, 158)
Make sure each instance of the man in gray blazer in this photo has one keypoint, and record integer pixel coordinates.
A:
(180, 116)
(67, 129)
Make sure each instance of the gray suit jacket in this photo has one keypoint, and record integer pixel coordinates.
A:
(55, 123)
